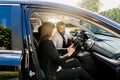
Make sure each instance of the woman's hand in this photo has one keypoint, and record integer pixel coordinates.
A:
(70, 50)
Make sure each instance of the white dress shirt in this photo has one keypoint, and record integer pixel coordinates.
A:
(58, 40)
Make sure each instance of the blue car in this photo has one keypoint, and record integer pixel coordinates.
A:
(99, 54)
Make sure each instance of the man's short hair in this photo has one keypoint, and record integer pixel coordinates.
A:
(60, 23)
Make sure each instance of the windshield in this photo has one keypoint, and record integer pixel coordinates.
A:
(96, 30)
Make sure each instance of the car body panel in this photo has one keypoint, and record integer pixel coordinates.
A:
(10, 58)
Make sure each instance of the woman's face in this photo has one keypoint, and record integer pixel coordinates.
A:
(53, 32)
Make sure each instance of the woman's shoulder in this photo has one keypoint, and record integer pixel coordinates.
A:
(46, 42)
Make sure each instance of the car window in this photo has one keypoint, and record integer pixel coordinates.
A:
(96, 30)
(5, 28)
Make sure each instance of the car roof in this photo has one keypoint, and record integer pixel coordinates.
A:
(25, 1)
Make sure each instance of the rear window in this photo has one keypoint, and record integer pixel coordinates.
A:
(5, 27)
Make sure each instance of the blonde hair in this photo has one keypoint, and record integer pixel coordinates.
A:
(45, 31)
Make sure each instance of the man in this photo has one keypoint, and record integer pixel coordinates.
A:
(61, 37)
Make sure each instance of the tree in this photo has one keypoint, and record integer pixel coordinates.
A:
(92, 5)
(113, 14)
(5, 37)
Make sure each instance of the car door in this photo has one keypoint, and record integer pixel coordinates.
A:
(10, 40)
(30, 65)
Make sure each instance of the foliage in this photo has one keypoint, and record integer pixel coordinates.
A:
(113, 14)
(5, 37)
(92, 5)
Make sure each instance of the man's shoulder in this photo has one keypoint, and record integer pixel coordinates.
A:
(57, 34)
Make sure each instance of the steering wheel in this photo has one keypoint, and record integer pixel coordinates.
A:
(79, 40)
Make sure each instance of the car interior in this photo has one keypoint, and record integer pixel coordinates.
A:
(98, 56)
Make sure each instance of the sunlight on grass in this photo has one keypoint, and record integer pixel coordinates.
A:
(4, 75)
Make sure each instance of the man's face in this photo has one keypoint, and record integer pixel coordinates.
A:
(61, 29)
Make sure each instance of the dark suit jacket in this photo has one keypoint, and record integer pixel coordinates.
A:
(49, 58)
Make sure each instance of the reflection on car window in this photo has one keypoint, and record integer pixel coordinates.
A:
(5, 28)
(96, 30)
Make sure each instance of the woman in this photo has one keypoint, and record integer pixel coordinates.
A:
(50, 59)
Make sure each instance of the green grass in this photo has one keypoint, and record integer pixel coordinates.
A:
(5, 75)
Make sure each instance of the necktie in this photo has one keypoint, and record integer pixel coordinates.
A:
(64, 41)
